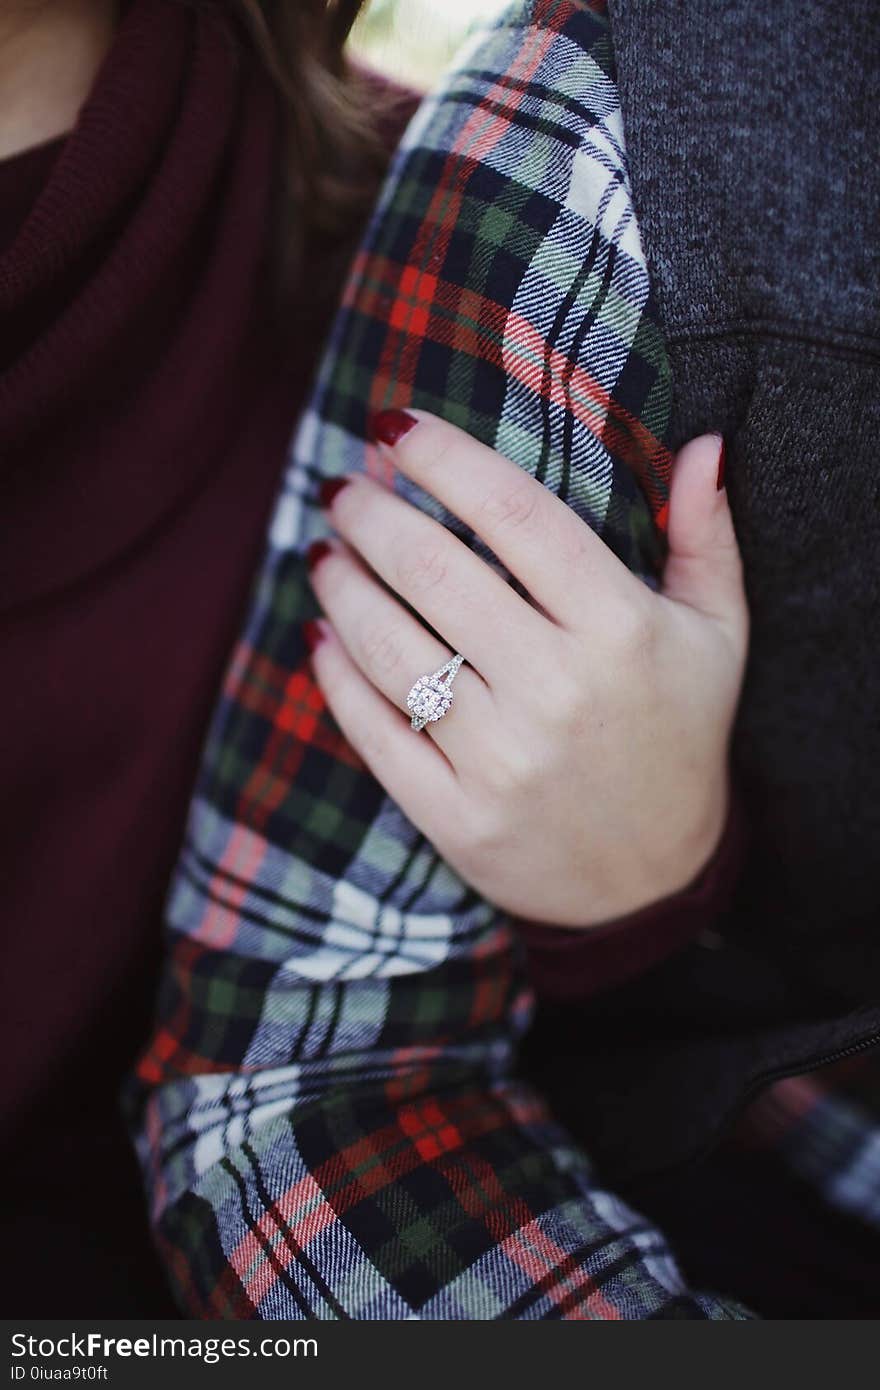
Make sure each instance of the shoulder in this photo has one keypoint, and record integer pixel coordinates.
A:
(393, 103)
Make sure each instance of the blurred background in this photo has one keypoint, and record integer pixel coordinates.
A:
(415, 39)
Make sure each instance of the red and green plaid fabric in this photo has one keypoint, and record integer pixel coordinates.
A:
(328, 1115)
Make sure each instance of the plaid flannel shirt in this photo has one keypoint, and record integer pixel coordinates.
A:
(328, 1114)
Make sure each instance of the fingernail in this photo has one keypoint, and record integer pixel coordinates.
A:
(389, 426)
(316, 552)
(330, 488)
(313, 633)
(722, 464)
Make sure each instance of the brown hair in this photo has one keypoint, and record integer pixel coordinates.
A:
(334, 156)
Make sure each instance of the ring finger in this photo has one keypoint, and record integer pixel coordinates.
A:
(390, 646)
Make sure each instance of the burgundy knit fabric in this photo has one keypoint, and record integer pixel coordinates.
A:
(145, 405)
(144, 410)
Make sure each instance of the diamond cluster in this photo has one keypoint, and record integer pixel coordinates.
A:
(428, 700)
(431, 696)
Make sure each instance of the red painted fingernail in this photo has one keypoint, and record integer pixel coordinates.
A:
(313, 633)
(722, 464)
(389, 426)
(330, 488)
(316, 552)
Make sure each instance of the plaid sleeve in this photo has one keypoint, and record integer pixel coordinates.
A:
(328, 1114)
(824, 1129)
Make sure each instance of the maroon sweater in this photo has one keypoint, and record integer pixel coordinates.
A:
(146, 399)
(145, 405)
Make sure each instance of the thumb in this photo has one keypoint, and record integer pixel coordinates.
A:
(703, 567)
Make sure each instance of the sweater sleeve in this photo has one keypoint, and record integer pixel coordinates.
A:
(319, 1142)
(568, 965)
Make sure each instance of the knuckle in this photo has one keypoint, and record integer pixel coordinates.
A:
(564, 697)
(382, 650)
(735, 626)
(515, 507)
(565, 713)
(422, 569)
(484, 831)
(438, 443)
(634, 629)
(511, 773)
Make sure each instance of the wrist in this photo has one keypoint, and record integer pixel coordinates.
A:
(672, 865)
(566, 965)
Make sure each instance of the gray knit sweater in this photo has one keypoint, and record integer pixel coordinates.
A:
(754, 136)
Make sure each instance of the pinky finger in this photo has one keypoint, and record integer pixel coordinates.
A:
(409, 766)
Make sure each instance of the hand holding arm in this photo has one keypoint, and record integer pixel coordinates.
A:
(582, 772)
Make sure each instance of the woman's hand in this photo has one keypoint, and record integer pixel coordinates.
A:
(581, 772)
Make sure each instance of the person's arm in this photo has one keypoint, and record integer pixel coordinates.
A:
(567, 966)
(328, 1132)
(580, 771)
(328, 1116)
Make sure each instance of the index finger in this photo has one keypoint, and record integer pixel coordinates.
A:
(540, 540)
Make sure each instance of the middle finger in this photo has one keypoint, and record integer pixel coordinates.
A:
(462, 597)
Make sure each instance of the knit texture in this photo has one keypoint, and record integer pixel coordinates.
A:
(146, 405)
(751, 134)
